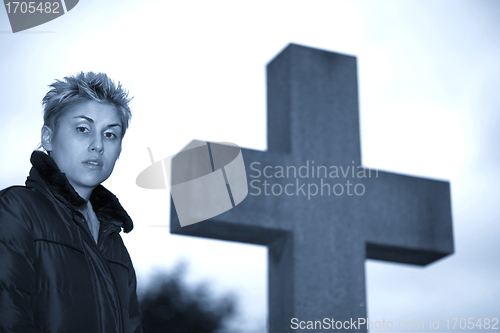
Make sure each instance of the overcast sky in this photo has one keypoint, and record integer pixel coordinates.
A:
(429, 81)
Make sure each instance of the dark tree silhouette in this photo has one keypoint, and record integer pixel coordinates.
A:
(168, 305)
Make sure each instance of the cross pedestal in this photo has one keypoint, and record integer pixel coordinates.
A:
(318, 243)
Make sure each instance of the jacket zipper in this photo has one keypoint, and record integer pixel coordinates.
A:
(111, 231)
(99, 245)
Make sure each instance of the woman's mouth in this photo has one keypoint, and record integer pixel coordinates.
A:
(93, 163)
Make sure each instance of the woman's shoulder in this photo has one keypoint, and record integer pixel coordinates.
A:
(16, 192)
(16, 205)
(18, 198)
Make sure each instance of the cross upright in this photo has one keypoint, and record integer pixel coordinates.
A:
(317, 245)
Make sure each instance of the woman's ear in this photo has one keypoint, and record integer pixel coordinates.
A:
(47, 138)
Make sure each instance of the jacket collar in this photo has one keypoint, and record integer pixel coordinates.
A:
(105, 204)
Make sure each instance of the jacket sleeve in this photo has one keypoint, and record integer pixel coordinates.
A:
(134, 309)
(17, 265)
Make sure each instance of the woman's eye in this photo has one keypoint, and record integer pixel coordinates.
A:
(82, 129)
(110, 135)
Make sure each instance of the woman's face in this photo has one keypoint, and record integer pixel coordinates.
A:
(85, 144)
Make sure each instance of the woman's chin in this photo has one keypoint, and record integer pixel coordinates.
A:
(87, 183)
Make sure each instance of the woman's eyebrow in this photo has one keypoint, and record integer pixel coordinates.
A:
(90, 120)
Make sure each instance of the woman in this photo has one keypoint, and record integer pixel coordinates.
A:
(63, 264)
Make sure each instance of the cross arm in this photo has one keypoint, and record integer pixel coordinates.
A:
(406, 219)
(250, 221)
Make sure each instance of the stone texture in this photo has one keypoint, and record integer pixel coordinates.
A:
(317, 247)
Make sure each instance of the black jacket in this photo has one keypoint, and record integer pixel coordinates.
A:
(53, 276)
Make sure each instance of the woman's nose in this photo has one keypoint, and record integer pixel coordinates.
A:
(97, 144)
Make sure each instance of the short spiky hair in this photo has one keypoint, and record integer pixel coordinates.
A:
(84, 87)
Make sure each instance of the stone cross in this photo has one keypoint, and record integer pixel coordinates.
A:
(320, 229)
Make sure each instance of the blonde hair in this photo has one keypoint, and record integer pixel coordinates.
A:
(72, 90)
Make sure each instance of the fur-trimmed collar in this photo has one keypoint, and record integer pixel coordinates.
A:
(105, 204)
